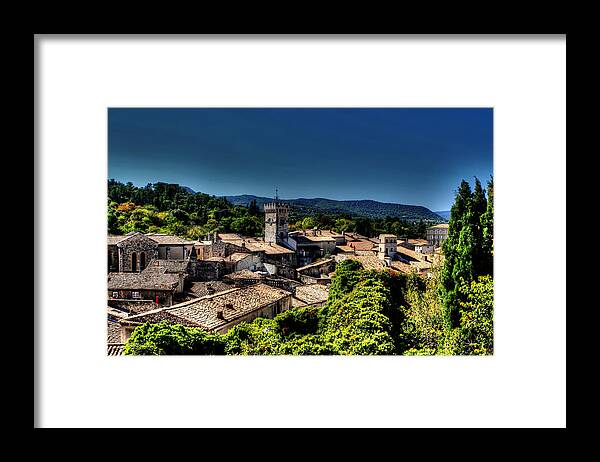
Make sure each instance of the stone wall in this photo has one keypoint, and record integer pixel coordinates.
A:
(316, 271)
(203, 270)
(137, 244)
(165, 298)
(113, 259)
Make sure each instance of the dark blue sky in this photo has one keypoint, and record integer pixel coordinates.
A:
(408, 156)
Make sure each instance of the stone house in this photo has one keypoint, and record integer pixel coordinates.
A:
(437, 234)
(312, 245)
(418, 245)
(387, 246)
(159, 287)
(218, 312)
(134, 251)
(317, 272)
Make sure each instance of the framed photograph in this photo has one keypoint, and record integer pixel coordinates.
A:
(321, 222)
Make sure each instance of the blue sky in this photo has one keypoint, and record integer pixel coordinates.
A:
(408, 156)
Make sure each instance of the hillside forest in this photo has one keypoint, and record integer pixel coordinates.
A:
(173, 209)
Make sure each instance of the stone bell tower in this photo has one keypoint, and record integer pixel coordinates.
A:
(276, 221)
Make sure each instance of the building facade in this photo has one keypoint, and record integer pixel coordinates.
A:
(276, 222)
(387, 246)
(437, 234)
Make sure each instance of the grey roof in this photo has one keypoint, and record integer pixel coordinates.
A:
(113, 332)
(165, 239)
(201, 289)
(167, 266)
(244, 274)
(161, 239)
(202, 312)
(115, 349)
(143, 281)
(312, 293)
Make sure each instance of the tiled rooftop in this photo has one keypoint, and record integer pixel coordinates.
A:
(113, 332)
(317, 263)
(201, 289)
(368, 261)
(143, 281)
(244, 274)
(202, 312)
(167, 266)
(312, 293)
(115, 349)
(361, 245)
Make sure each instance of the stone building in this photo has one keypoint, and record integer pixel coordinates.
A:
(218, 312)
(317, 272)
(387, 246)
(276, 222)
(418, 245)
(133, 252)
(437, 234)
(313, 244)
(153, 286)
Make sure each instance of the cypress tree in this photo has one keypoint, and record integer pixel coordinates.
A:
(487, 226)
(456, 249)
(478, 208)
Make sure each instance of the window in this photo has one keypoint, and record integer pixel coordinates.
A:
(115, 294)
(135, 294)
(142, 260)
(134, 262)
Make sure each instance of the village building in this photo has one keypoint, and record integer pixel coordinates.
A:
(312, 244)
(218, 312)
(241, 261)
(344, 249)
(245, 278)
(276, 222)
(369, 262)
(200, 289)
(362, 247)
(418, 245)
(317, 272)
(437, 234)
(134, 251)
(387, 246)
(153, 286)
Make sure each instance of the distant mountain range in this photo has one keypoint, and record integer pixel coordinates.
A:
(364, 208)
(445, 214)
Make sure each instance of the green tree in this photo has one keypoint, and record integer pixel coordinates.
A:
(487, 226)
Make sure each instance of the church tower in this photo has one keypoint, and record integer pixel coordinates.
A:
(276, 221)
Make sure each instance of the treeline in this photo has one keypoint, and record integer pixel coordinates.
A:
(171, 209)
(371, 312)
(370, 227)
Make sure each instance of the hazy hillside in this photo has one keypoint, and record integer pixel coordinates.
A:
(445, 214)
(364, 208)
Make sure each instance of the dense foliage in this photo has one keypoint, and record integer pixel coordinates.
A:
(172, 209)
(369, 227)
(468, 251)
